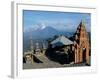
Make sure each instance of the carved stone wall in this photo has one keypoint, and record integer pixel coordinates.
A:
(81, 44)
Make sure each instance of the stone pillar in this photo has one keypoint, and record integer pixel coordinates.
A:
(87, 56)
(75, 56)
(81, 55)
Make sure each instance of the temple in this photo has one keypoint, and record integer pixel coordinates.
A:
(81, 44)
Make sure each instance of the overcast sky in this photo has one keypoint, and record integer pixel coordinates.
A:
(64, 21)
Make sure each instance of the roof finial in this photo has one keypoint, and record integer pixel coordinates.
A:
(82, 22)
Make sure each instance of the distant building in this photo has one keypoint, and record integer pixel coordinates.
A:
(37, 49)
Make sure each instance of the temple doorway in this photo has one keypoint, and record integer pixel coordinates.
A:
(84, 54)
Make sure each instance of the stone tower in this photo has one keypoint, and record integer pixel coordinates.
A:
(81, 44)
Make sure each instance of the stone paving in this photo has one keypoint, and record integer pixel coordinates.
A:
(48, 64)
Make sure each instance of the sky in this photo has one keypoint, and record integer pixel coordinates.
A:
(62, 21)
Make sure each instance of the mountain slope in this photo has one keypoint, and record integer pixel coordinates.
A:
(47, 32)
